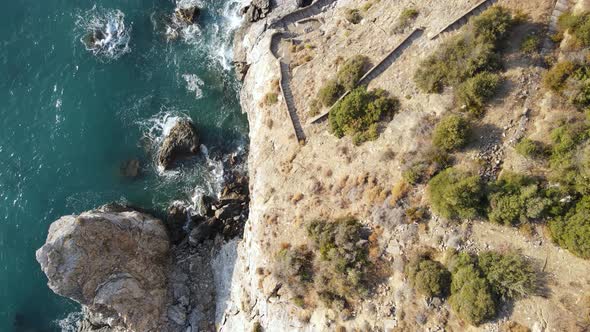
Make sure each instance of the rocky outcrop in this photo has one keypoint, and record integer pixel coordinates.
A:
(188, 15)
(180, 142)
(257, 10)
(112, 260)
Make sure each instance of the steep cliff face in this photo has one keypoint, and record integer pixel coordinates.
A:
(113, 261)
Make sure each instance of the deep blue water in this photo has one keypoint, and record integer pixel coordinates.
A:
(69, 118)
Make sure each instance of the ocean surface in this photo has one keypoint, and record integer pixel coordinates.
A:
(69, 117)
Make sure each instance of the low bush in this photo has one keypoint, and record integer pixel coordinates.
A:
(570, 155)
(578, 26)
(406, 18)
(531, 44)
(531, 149)
(271, 98)
(454, 194)
(451, 133)
(430, 278)
(466, 56)
(517, 199)
(475, 91)
(353, 16)
(509, 275)
(572, 231)
(351, 71)
(471, 295)
(342, 264)
(359, 112)
(329, 93)
(556, 77)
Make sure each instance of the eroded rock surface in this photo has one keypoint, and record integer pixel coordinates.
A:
(112, 260)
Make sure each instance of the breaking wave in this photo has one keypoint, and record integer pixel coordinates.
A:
(104, 33)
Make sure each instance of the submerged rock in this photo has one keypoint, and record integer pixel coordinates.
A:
(180, 142)
(113, 261)
(130, 168)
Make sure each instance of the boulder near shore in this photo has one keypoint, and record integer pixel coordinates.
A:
(182, 141)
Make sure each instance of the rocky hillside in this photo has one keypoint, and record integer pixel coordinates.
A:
(434, 175)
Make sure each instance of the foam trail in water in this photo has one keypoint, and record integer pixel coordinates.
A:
(71, 323)
(194, 84)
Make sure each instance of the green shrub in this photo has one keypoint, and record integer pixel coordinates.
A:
(477, 90)
(578, 26)
(471, 295)
(415, 172)
(572, 231)
(329, 93)
(531, 149)
(516, 199)
(294, 265)
(353, 16)
(531, 44)
(470, 53)
(509, 275)
(569, 156)
(342, 263)
(451, 133)
(455, 194)
(556, 77)
(271, 98)
(359, 112)
(351, 72)
(406, 18)
(493, 25)
(429, 277)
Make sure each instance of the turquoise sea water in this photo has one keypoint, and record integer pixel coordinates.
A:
(69, 118)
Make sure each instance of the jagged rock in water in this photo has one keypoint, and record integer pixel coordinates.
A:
(241, 69)
(181, 141)
(112, 260)
(257, 10)
(188, 15)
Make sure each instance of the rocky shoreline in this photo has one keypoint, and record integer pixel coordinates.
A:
(132, 271)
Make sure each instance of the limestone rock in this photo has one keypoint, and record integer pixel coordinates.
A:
(112, 261)
(181, 141)
(188, 15)
(257, 10)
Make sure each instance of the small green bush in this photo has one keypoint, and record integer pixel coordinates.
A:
(517, 199)
(353, 16)
(578, 26)
(342, 264)
(466, 55)
(493, 25)
(477, 90)
(455, 195)
(569, 156)
(351, 71)
(294, 264)
(531, 44)
(531, 149)
(509, 275)
(415, 172)
(406, 18)
(330, 93)
(471, 296)
(271, 98)
(429, 277)
(572, 231)
(359, 112)
(556, 77)
(451, 133)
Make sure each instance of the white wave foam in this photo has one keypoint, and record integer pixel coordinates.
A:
(71, 323)
(194, 84)
(104, 33)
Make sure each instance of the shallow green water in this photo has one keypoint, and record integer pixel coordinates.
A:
(69, 118)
